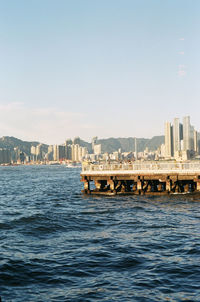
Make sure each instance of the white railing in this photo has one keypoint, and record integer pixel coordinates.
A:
(191, 166)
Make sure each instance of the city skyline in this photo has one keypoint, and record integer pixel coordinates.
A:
(97, 68)
(174, 126)
(181, 143)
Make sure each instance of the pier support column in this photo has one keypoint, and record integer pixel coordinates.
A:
(139, 186)
(186, 187)
(177, 187)
(168, 185)
(134, 187)
(112, 184)
(160, 187)
(198, 185)
(149, 187)
(97, 184)
(87, 186)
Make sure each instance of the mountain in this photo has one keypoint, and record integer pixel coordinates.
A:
(11, 142)
(108, 145)
(128, 144)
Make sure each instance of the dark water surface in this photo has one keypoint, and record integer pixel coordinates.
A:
(57, 245)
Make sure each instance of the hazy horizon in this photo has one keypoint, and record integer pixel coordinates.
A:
(106, 69)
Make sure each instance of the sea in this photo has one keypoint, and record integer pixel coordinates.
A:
(58, 245)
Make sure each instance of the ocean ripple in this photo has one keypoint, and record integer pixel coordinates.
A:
(58, 245)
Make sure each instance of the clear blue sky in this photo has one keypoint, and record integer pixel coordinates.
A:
(106, 68)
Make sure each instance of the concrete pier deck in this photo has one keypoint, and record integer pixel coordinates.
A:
(155, 178)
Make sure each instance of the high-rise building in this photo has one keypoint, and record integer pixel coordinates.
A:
(50, 148)
(176, 135)
(97, 149)
(188, 134)
(68, 150)
(55, 152)
(192, 130)
(195, 141)
(168, 140)
(33, 150)
(38, 152)
(94, 142)
(73, 152)
(181, 140)
(84, 152)
(76, 152)
(58, 152)
(136, 153)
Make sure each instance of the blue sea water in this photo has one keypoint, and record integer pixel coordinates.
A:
(58, 245)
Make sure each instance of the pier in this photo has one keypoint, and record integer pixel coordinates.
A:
(153, 178)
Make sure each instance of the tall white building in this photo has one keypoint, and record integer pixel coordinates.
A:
(168, 140)
(186, 133)
(195, 141)
(73, 152)
(176, 135)
(58, 152)
(82, 152)
(181, 140)
(55, 153)
(97, 149)
(33, 150)
(76, 152)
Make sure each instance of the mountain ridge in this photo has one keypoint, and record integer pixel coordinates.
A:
(108, 144)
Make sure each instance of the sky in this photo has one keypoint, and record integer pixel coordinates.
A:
(109, 68)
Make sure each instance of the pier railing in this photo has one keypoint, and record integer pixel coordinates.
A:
(144, 166)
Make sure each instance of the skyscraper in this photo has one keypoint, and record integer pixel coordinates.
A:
(168, 140)
(195, 141)
(176, 135)
(188, 134)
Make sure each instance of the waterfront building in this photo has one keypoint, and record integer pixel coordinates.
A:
(73, 152)
(22, 157)
(49, 155)
(38, 152)
(33, 150)
(68, 151)
(82, 153)
(50, 148)
(58, 152)
(55, 152)
(76, 152)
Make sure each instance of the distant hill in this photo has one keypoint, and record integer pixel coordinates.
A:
(108, 145)
(11, 142)
(128, 144)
